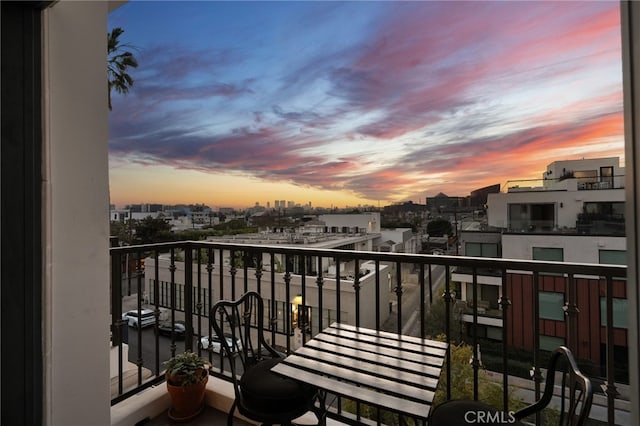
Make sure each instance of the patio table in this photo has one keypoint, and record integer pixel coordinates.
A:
(389, 371)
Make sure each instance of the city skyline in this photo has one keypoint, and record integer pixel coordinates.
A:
(347, 103)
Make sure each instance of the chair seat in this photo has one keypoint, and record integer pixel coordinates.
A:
(467, 412)
(268, 392)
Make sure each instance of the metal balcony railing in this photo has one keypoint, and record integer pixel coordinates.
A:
(309, 288)
(568, 182)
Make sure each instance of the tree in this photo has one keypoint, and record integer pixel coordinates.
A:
(435, 320)
(489, 389)
(439, 227)
(118, 62)
(122, 230)
(152, 230)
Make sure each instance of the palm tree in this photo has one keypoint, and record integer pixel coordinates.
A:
(118, 61)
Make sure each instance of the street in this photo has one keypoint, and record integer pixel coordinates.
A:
(411, 302)
(148, 352)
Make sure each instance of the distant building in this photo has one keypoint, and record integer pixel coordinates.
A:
(119, 215)
(478, 197)
(442, 202)
(403, 210)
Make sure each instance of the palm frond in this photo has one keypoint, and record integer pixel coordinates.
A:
(118, 63)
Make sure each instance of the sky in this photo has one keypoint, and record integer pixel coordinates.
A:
(358, 103)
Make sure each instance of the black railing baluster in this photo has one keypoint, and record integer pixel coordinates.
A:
(210, 267)
(188, 298)
(156, 302)
(287, 304)
(320, 284)
(430, 286)
(273, 312)
(303, 290)
(199, 302)
(140, 359)
(504, 304)
(447, 325)
(571, 311)
(356, 287)
(258, 273)
(338, 314)
(117, 324)
(422, 301)
(398, 291)
(233, 270)
(221, 291)
(172, 269)
(377, 263)
(245, 271)
(609, 386)
(476, 361)
(536, 373)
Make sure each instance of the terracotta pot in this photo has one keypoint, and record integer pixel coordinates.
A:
(188, 401)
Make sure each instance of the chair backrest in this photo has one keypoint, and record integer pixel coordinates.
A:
(239, 327)
(575, 389)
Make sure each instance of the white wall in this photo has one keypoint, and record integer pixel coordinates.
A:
(369, 221)
(347, 292)
(576, 248)
(76, 240)
(555, 169)
(572, 202)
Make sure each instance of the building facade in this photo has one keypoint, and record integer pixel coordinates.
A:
(576, 217)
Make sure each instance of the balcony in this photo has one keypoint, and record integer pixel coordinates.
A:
(386, 291)
(567, 183)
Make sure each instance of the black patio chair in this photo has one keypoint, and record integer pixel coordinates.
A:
(575, 389)
(260, 394)
(573, 399)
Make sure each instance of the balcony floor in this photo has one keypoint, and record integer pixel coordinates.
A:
(209, 416)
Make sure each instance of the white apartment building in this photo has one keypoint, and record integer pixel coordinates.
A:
(554, 204)
(575, 213)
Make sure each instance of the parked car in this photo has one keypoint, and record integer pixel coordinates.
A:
(147, 317)
(179, 329)
(212, 343)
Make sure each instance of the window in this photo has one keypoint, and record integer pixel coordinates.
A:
(605, 210)
(481, 249)
(494, 333)
(606, 177)
(613, 257)
(620, 309)
(584, 176)
(532, 217)
(602, 218)
(550, 305)
(551, 254)
(550, 343)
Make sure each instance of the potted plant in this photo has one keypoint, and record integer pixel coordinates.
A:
(187, 375)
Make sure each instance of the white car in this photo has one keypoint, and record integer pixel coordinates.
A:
(212, 343)
(147, 317)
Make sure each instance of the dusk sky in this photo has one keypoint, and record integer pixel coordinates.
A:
(347, 103)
